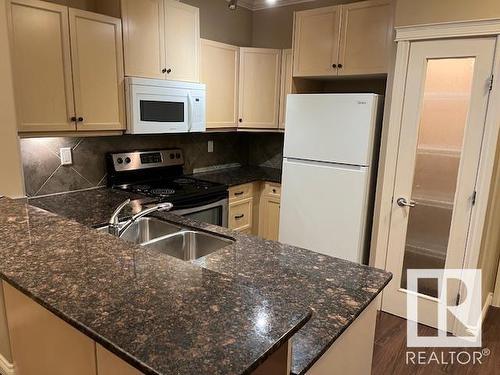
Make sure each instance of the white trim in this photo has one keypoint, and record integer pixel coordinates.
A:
(486, 306)
(6, 368)
(264, 4)
(448, 30)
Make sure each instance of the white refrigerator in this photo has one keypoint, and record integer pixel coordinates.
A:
(328, 173)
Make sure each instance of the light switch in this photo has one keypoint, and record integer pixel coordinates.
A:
(66, 156)
(210, 146)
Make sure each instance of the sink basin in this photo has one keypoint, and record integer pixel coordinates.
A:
(146, 229)
(189, 244)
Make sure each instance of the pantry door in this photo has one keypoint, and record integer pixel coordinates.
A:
(444, 111)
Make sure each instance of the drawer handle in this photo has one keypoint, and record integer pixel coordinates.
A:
(239, 193)
(238, 217)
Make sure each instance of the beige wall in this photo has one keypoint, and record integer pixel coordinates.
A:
(219, 23)
(273, 27)
(11, 179)
(414, 12)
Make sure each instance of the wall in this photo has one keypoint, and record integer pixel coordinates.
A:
(219, 23)
(411, 12)
(273, 27)
(44, 174)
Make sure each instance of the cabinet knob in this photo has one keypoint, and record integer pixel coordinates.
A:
(80, 119)
(340, 66)
(334, 65)
(73, 118)
(240, 120)
(169, 71)
(164, 70)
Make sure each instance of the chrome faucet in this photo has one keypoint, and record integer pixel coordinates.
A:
(116, 229)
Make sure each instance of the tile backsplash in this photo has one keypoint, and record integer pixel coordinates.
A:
(43, 173)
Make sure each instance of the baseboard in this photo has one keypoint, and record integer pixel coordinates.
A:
(6, 368)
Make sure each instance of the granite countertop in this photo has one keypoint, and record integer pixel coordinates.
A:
(241, 175)
(336, 291)
(160, 314)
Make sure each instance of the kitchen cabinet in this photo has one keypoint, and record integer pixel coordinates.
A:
(269, 212)
(145, 50)
(316, 41)
(259, 91)
(220, 73)
(41, 62)
(68, 68)
(110, 364)
(241, 207)
(161, 39)
(286, 83)
(366, 35)
(42, 343)
(97, 62)
(343, 40)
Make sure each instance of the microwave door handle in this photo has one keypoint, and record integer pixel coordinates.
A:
(190, 111)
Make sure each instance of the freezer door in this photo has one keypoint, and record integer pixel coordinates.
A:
(324, 208)
(337, 128)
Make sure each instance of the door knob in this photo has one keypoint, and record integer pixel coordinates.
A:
(402, 202)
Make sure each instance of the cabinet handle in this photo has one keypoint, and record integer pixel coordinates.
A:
(340, 66)
(238, 193)
(240, 120)
(73, 119)
(80, 119)
(238, 217)
(169, 71)
(334, 65)
(164, 70)
(274, 191)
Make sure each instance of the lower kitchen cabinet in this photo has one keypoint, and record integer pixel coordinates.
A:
(110, 364)
(241, 207)
(269, 212)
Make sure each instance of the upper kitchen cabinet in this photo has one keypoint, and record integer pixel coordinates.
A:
(316, 42)
(143, 38)
(260, 70)
(286, 83)
(344, 40)
(182, 38)
(161, 39)
(97, 61)
(365, 41)
(68, 68)
(41, 57)
(219, 71)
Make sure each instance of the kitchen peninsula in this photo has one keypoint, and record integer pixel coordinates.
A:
(232, 312)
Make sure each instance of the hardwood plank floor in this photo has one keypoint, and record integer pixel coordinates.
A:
(389, 356)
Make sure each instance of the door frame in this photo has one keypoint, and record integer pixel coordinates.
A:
(392, 128)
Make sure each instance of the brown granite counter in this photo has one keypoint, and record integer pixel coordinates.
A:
(241, 175)
(336, 291)
(160, 314)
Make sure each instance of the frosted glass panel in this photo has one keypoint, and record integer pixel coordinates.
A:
(444, 112)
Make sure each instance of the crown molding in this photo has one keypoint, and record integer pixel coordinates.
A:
(263, 4)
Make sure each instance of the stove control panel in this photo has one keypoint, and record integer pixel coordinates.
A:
(137, 160)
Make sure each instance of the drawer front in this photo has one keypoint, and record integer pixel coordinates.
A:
(272, 189)
(240, 214)
(240, 192)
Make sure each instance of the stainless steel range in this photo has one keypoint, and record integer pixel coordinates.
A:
(159, 174)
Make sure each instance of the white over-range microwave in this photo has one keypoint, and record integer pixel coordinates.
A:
(162, 106)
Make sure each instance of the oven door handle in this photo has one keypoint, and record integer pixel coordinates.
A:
(216, 202)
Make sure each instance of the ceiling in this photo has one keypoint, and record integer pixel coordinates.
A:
(263, 4)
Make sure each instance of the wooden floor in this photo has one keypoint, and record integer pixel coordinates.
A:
(390, 349)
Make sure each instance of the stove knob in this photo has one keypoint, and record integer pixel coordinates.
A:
(178, 155)
(127, 160)
(172, 156)
(119, 160)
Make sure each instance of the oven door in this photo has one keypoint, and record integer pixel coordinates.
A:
(213, 213)
(157, 110)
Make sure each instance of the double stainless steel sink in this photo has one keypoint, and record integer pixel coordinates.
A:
(177, 241)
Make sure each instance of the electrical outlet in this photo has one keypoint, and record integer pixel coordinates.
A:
(66, 156)
(210, 146)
